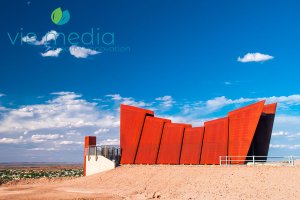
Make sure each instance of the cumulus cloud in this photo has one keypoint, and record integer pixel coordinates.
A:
(73, 133)
(101, 130)
(70, 110)
(116, 97)
(62, 120)
(43, 138)
(217, 103)
(43, 149)
(283, 101)
(51, 35)
(254, 57)
(12, 140)
(285, 146)
(275, 146)
(128, 100)
(68, 142)
(52, 53)
(66, 110)
(81, 52)
(280, 133)
(30, 40)
(166, 101)
(110, 142)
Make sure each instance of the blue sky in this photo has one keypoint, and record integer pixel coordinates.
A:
(191, 61)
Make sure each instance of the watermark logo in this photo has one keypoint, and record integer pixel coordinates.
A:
(60, 17)
(80, 44)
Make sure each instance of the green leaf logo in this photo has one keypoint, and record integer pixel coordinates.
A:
(60, 17)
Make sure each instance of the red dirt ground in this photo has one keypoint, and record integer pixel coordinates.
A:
(168, 182)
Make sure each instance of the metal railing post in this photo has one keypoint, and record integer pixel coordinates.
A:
(89, 153)
(253, 160)
(220, 160)
(96, 155)
(292, 160)
(226, 160)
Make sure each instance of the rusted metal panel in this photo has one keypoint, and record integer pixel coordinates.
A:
(215, 141)
(150, 140)
(170, 147)
(270, 108)
(242, 126)
(192, 145)
(131, 125)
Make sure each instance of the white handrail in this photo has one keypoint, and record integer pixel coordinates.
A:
(253, 159)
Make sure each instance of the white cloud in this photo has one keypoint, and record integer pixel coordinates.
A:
(67, 142)
(101, 130)
(295, 146)
(12, 140)
(43, 149)
(166, 101)
(280, 133)
(30, 40)
(255, 57)
(284, 101)
(81, 52)
(3, 108)
(288, 119)
(116, 97)
(70, 116)
(2, 95)
(51, 35)
(128, 100)
(52, 53)
(276, 146)
(42, 138)
(69, 110)
(217, 103)
(66, 110)
(73, 133)
(132, 102)
(285, 146)
(110, 142)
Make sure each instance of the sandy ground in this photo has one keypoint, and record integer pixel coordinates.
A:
(168, 182)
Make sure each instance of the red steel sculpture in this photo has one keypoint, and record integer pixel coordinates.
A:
(145, 139)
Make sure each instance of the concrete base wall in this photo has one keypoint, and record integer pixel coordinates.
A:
(102, 164)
